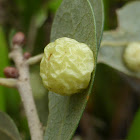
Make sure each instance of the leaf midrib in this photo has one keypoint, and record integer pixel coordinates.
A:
(62, 124)
(65, 114)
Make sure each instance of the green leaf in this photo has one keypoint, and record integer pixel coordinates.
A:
(114, 42)
(134, 133)
(113, 55)
(40, 94)
(8, 129)
(97, 6)
(128, 16)
(74, 19)
(75, 22)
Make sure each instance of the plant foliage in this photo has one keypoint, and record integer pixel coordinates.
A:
(77, 19)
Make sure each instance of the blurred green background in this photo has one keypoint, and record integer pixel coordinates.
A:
(112, 105)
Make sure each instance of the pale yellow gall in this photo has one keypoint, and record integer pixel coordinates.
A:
(132, 56)
(66, 66)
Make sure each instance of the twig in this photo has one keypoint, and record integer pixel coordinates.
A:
(35, 59)
(8, 82)
(23, 85)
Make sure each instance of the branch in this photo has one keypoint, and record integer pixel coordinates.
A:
(24, 88)
(8, 82)
(35, 59)
(114, 44)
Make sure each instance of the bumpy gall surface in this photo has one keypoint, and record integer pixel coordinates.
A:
(66, 66)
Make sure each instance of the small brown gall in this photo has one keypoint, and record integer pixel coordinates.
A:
(26, 55)
(11, 72)
(19, 39)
